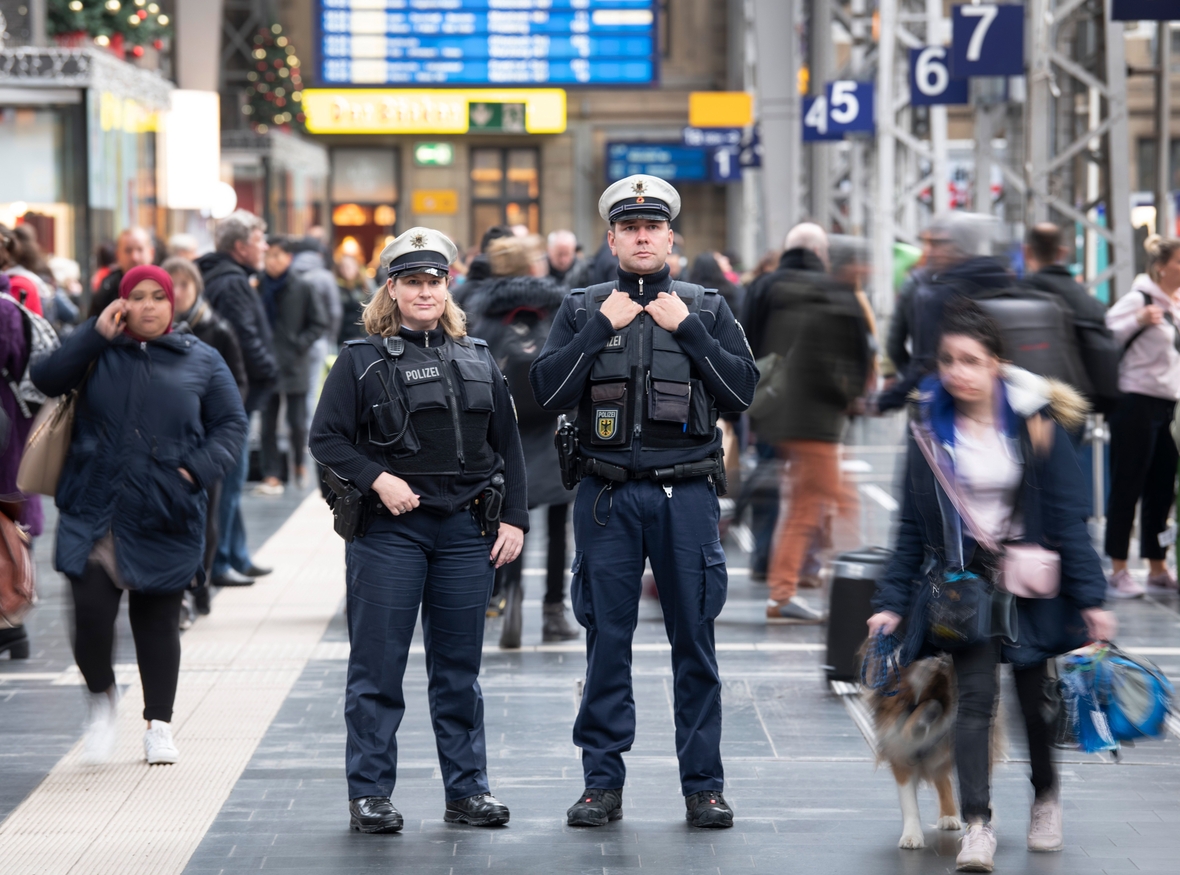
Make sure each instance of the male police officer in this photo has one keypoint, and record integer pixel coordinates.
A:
(648, 363)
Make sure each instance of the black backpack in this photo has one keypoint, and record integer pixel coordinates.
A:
(1039, 334)
(515, 341)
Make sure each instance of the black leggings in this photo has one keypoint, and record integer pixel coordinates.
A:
(272, 462)
(555, 564)
(155, 625)
(1142, 466)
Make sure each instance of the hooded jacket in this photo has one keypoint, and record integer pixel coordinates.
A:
(308, 267)
(147, 409)
(228, 289)
(1151, 363)
(1052, 509)
(300, 320)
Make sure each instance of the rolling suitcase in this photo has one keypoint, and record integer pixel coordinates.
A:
(854, 580)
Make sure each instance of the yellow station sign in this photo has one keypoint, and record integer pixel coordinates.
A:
(424, 111)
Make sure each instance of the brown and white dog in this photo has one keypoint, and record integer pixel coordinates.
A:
(915, 735)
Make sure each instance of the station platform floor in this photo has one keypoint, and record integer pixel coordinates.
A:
(260, 783)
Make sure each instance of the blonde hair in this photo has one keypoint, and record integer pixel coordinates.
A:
(383, 318)
(509, 256)
(1159, 252)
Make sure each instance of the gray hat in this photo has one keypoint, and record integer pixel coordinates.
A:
(418, 250)
(639, 197)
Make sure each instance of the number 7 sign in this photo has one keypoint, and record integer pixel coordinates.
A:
(987, 39)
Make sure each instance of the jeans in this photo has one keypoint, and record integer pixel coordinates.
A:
(1030, 689)
(975, 671)
(232, 551)
(154, 625)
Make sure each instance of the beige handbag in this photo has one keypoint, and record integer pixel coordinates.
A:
(49, 443)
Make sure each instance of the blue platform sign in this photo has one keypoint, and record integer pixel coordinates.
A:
(930, 79)
(711, 137)
(1145, 10)
(815, 120)
(987, 39)
(487, 42)
(671, 161)
(725, 164)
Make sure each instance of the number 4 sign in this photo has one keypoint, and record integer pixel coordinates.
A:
(987, 40)
(815, 120)
(845, 107)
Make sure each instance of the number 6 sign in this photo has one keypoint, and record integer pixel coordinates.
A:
(987, 40)
(930, 80)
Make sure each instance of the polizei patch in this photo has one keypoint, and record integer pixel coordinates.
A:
(615, 342)
(608, 423)
(419, 375)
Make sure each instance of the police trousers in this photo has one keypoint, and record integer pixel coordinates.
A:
(678, 533)
(441, 564)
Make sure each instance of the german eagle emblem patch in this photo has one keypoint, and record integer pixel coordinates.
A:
(607, 424)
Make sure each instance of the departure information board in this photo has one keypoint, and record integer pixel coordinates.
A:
(487, 42)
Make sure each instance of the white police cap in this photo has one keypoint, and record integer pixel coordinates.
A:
(418, 250)
(639, 197)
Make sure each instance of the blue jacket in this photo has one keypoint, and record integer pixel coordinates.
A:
(146, 410)
(1051, 504)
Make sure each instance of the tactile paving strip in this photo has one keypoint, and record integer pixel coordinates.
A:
(237, 667)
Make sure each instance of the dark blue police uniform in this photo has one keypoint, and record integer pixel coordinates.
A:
(647, 402)
(435, 411)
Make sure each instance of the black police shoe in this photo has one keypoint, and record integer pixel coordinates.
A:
(482, 810)
(373, 814)
(708, 810)
(596, 808)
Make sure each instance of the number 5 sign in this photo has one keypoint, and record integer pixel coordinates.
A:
(987, 40)
(930, 80)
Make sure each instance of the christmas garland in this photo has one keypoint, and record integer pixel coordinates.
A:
(274, 98)
(113, 24)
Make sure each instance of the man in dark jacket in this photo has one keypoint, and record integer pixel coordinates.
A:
(1044, 270)
(308, 268)
(132, 248)
(955, 266)
(297, 320)
(479, 271)
(240, 250)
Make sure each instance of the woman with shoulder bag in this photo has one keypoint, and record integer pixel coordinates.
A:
(158, 419)
(1146, 321)
(997, 437)
(418, 424)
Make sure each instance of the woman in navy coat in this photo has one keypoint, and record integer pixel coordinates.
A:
(158, 419)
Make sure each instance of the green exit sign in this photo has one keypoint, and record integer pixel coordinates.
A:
(506, 118)
(434, 154)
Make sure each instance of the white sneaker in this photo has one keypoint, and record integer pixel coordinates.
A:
(101, 726)
(978, 849)
(1045, 832)
(158, 746)
(269, 489)
(1123, 586)
(794, 610)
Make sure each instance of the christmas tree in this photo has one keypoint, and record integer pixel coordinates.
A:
(274, 98)
(114, 24)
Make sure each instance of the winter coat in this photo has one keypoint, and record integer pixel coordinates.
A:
(300, 320)
(466, 293)
(147, 409)
(228, 290)
(352, 309)
(14, 356)
(210, 328)
(308, 267)
(1051, 505)
(504, 299)
(1151, 364)
(795, 265)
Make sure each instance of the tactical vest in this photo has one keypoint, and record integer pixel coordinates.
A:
(642, 383)
(437, 405)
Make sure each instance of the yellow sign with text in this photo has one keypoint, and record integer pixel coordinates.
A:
(424, 111)
(435, 202)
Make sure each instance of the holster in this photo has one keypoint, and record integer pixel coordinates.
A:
(566, 440)
(489, 505)
(351, 509)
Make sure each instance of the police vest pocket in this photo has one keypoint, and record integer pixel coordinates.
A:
(702, 415)
(608, 406)
(668, 402)
(424, 386)
(477, 385)
(716, 581)
(580, 594)
(668, 359)
(612, 362)
(393, 422)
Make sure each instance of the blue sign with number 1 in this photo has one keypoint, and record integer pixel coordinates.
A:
(987, 40)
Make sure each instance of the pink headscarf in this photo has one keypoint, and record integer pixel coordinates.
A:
(137, 275)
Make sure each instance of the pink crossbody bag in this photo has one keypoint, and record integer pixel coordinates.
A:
(1027, 571)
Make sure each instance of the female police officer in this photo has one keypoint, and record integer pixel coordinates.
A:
(415, 423)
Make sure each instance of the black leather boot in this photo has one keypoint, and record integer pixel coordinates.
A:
(373, 814)
(708, 810)
(596, 808)
(554, 625)
(482, 810)
(513, 619)
(15, 640)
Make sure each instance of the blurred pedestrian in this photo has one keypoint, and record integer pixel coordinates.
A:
(565, 266)
(297, 320)
(515, 319)
(240, 241)
(23, 285)
(183, 246)
(1143, 456)
(133, 247)
(1000, 434)
(479, 268)
(710, 270)
(104, 263)
(26, 509)
(354, 289)
(308, 268)
(418, 419)
(158, 419)
(193, 313)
